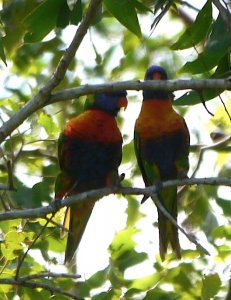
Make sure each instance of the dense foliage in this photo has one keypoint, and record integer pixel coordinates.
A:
(124, 38)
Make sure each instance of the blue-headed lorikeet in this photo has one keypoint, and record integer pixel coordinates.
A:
(89, 154)
(162, 141)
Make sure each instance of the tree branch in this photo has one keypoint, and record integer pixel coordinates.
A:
(41, 212)
(166, 85)
(34, 285)
(43, 96)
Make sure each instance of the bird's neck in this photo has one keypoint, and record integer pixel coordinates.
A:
(155, 94)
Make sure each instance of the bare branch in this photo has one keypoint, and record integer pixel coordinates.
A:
(35, 285)
(167, 85)
(41, 212)
(43, 96)
(43, 99)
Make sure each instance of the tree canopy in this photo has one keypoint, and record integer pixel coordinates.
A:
(56, 53)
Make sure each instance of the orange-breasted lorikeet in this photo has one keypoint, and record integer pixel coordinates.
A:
(89, 153)
(162, 141)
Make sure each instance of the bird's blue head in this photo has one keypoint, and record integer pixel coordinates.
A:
(111, 102)
(155, 73)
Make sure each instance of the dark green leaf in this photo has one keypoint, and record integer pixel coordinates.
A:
(125, 12)
(42, 20)
(198, 31)
(225, 205)
(2, 52)
(193, 97)
(218, 45)
(77, 13)
(63, 16)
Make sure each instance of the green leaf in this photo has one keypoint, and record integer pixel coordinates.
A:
(225, 205)
(63, 16)
(157, 294)
(146, 282)
(198, 31)
(125, 12)
(47, 122)
(219, 43)
(42, 20)
(193, 97)
(2, 52)
(210, 286)
(77, 13)
(142, 7)
(122, 249)
(40, 193)
(95, 281)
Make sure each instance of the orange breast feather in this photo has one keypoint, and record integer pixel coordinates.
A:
(94, 125)
(158, 118)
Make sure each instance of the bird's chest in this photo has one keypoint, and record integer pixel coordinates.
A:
(154, 125)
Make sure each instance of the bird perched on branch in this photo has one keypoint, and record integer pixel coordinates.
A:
(161, 140)
(89, 153)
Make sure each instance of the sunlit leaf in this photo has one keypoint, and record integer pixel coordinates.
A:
(48, 123)
(210, 286)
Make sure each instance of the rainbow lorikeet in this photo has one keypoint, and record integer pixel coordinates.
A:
(89, 153)
(162, 141)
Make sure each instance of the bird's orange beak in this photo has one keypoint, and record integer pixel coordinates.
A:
(156, 76)
(123, 102)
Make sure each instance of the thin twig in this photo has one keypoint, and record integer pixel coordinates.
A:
(158, 203)
(49, 275)
(226, 110)
(214, 146)
(21, 259)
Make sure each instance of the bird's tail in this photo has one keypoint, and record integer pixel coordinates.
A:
(76, 220)
(168, 233)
